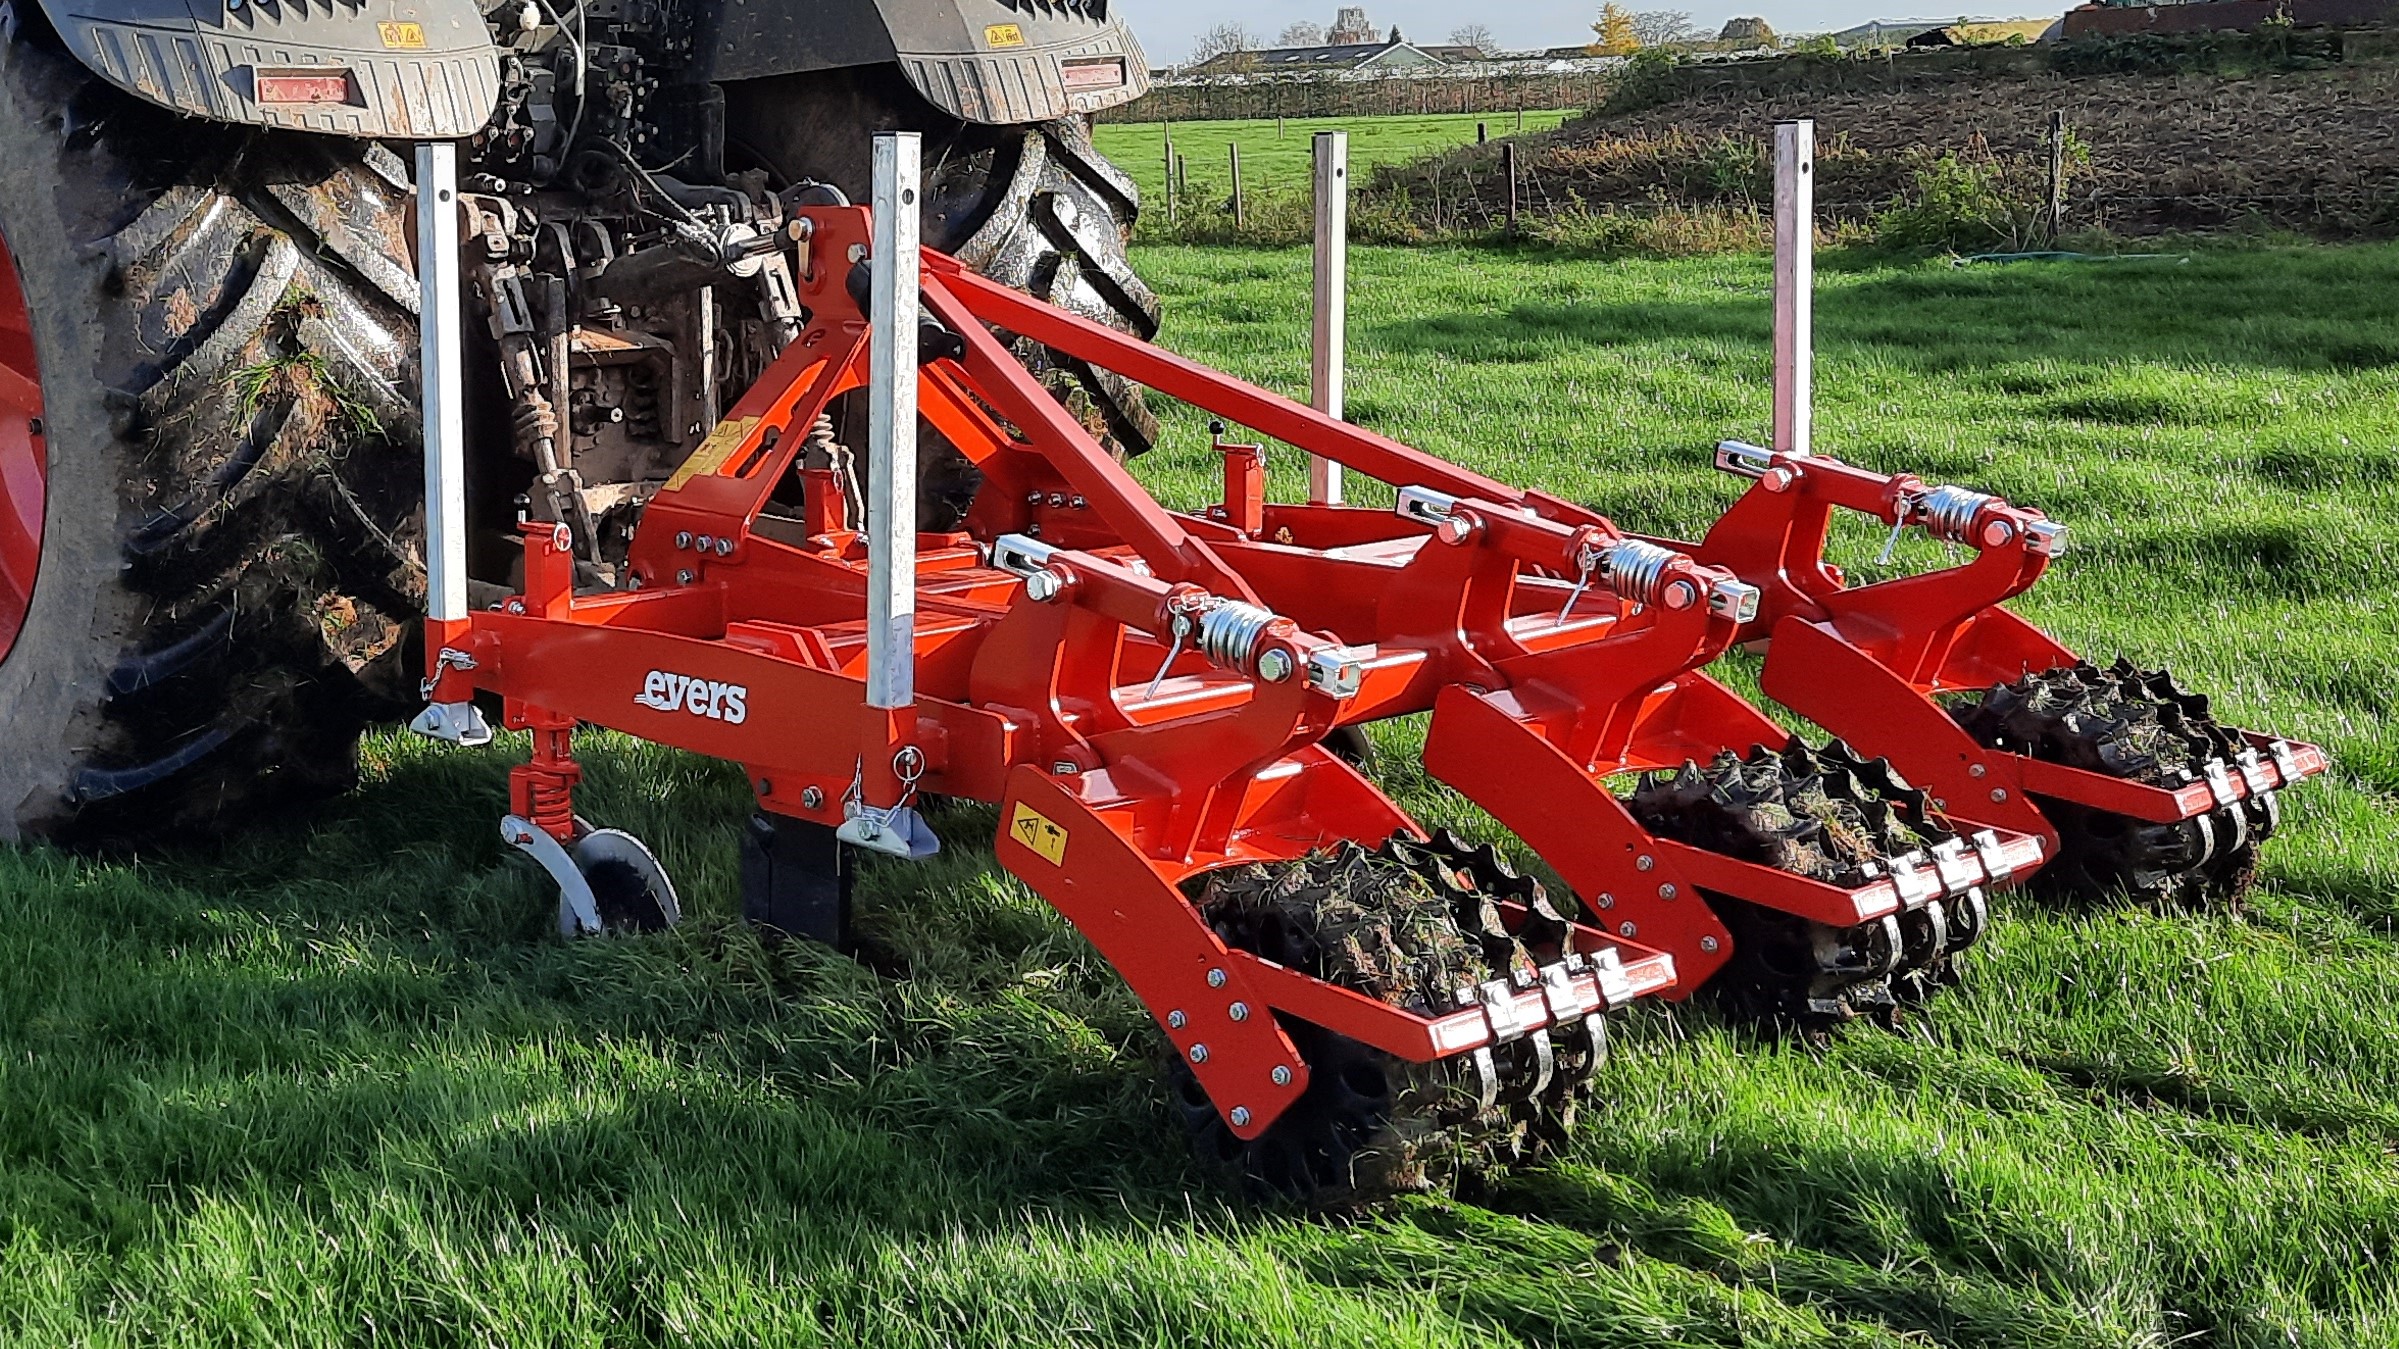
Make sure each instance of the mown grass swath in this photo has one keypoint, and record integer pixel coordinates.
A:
(337, 1081)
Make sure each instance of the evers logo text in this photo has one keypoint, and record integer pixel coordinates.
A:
(665, 692)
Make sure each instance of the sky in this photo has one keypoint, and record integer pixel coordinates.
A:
(1168, 30)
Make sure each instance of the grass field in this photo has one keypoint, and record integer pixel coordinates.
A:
(1280, 163)
(337, 1083)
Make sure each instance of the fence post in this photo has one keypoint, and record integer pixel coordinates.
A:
(1507, 159)
(2057, 174)
(1329, 333)
(1794, 281)
(1482, 133)
(1240, 213)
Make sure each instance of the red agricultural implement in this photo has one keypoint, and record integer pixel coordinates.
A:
(1147, 697)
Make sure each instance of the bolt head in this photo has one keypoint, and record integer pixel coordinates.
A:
(1976, 771)
(1216, 978)
(813, 798)
(1606, 900)
(1175, 1020)
(1199, 1053)
(1275, 666)
(1709, 944)
(1626, 929)
(1644, 862)
(1044, 586)
(704, 543)
(1681, 595)
(1999, 793)
(1033, 499)
(1667, 891)
(1281, 1075)
(683, 577)
(516, 606)
(1997, 533)
(1779, 479)
(724, 547)
(1238, 1011)
(1240, 1117)
(1058, 499)
(683, 538)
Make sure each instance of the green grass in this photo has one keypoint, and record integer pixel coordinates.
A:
(338, 1083)
(1272, 163)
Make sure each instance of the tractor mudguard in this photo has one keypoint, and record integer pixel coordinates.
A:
(990, 61)
(396, 69)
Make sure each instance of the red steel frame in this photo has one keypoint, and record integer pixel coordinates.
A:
(1531, 715)
(24, 454)
(1869, 662)
(744, 639)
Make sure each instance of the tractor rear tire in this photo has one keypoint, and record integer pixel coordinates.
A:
(228, 548)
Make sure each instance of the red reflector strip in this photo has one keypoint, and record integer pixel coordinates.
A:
(1108, 73)
(329, 86)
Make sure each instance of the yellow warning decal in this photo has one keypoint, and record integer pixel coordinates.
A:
(408, 35)
(1003, 35)
(1038, 832)
(721, 444)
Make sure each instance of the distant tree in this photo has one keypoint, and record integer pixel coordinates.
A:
(1225, 39)
(1395, 37)
(1301, 34)
(1756, 32)
(1663, 27)
(1473, 35)
(1617, 36)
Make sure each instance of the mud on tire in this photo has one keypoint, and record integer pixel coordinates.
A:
(230, 544)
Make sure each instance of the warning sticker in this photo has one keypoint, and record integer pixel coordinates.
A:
(721, 444)
(1003, 35)
(1038, 832)
(410, 36)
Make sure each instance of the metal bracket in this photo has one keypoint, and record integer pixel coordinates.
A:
(578, 909)
(456, 723)
(899, 831)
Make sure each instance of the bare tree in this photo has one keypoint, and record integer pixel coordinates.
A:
(1473, 35)
(1663, 27)
(1225, 39)
(1301, 34)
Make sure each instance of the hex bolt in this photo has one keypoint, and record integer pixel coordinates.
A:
(703, 543)
(1997, 533)
(1681, 595)
(516, 606)
(1199, 1053)
(1240, 1117)
(1216, 978)
(1778, 479)
(1033, 499)
(1238, 1011)
(1044, 586)
(1058, 499)
(1667, 891)
(813, 798)
(1606, 900)
(1999, 793)
(1625, 929)
(1976, 771)
(1708, 944)
(1281, 1075)
(724, 547)
(1175, 1019)
(1275, 666)
(683, 577)
(1077, 502)
(1644, 862)
(683, 538)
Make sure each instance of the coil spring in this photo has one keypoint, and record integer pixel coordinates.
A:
(1230, 630)
(1633, 569)
(1948, 512)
